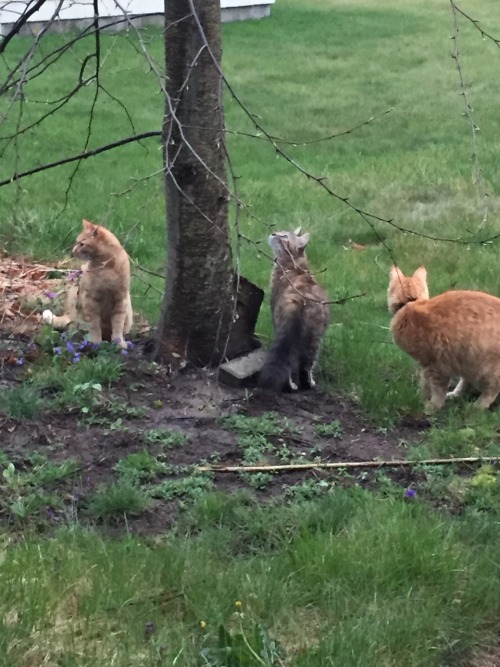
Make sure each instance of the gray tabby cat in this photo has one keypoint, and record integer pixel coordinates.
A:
(300, 315)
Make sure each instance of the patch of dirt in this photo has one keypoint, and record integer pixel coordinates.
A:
(490, 660)
(195, 404)
(148, 399)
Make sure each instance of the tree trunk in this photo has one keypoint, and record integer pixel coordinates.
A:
(199, 301)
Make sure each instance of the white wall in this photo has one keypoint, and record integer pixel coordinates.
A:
(10, 10)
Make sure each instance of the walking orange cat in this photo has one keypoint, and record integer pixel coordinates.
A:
(454, 334)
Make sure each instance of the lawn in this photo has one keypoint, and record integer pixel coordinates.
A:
(346, 571)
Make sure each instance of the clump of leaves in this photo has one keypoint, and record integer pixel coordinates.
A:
(248, 645)
(139, 465)
(268, 423)
(190, 488)
(165, 437)
(332, 429)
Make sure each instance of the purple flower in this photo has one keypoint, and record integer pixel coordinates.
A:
(95, 346)
(123, 352)
(83, 344)
(73, 275)
(69, 347)
(57, 350)
(52, 515)
(51, 295)
(410, 493)
(130, 345)
(20, 361)
(76, 358)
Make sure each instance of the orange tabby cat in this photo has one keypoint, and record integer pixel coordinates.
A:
(300, 316)
(454, 334)
(102, 298)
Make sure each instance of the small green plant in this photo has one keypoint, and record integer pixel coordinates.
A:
(269, 423)
(257, 480)
(248, 645)
(123, 497)
(190, 487)
(308, 489)
(139, 465)
(165, 437)
(22, 402)
(46, 472)
(332, 429)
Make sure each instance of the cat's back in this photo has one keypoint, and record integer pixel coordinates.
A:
(455, 306)
(454, 320)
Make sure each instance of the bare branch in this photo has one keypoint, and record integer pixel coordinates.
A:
(476, 25)
(21, 21)
(81, 156)
(476, 177)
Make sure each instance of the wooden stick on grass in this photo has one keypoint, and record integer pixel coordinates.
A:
(348, 464)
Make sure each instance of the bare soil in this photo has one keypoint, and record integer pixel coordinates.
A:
(194, 403)
(191, 402)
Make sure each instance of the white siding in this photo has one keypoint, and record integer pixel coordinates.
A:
(10, 10)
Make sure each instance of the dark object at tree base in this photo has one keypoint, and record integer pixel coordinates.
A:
(242, 338)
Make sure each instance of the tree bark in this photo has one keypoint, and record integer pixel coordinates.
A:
(199, 301)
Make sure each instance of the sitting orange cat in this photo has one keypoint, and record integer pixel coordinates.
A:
(102, 297)
(455, 334)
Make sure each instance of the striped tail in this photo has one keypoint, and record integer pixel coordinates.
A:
(283, 356)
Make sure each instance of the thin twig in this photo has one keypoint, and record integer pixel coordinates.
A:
(476, 174)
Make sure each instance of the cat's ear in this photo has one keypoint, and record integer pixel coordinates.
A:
(421, 274)
(303, 240)
(298, 231)
(90, 227)
(396, 273)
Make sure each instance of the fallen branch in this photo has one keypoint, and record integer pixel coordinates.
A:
(347, 464)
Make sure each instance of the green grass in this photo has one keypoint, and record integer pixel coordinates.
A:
(334, 576)
(351, 581)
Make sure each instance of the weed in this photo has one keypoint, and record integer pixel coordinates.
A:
(45, 472)
(244, 647)
(308, 489)
(139, 465)
(123, 497)
(269, 423)
(22, 402)
(189, 488)
(165, 437)
(333, 429)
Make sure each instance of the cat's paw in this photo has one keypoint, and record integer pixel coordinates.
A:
(121, 343)
(48, 316)
(292, 385)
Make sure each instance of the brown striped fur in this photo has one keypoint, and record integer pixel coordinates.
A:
(102, 298)
(300, 316)
(454, 334)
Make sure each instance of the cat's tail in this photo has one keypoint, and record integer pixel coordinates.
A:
(282, 357)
